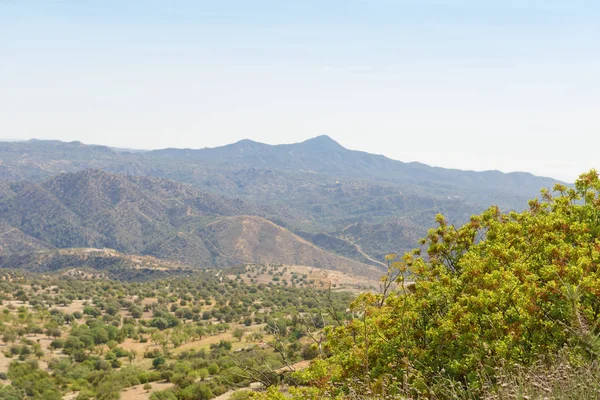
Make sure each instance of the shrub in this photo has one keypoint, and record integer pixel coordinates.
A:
(158, 361)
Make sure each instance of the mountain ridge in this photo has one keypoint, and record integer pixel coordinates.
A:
(328, 143)
(320, 141)
(313, 188)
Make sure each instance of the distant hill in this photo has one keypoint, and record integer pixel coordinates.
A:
(35, 160)
(92, 262)
(13, 240)
(150, 216)
(245, 239)
(347, 202)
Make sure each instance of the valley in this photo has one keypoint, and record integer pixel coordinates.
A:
(213, 330)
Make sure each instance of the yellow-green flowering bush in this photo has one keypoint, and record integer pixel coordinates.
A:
(505, 289)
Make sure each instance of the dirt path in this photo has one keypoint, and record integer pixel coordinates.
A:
(368, 257)
(8, 231)
(359, 249)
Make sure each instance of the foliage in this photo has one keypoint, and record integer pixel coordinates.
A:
(502, 290)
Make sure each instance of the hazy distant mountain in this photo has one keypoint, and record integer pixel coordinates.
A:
(37, 158)
(352, 203)
(324, 155)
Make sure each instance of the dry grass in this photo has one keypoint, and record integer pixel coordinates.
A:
(149, 300)
(4, 362)
(139, 348)
(228, 336)
(76, 305)
(561, 380)
(300, 365)
(316, 277)
(15, 304)
(136, 346)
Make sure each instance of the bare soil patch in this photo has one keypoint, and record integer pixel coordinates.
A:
(4, 363)
(139, 393)
(76, 305)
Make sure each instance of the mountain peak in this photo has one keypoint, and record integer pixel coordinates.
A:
(322, 142)
(246, 143)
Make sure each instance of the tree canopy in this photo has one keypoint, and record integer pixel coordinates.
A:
(505, 289)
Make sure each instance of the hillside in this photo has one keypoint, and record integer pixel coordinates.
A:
(90, 262)
(96, 209)
(150, 216)
(12, 240)
(254, 240)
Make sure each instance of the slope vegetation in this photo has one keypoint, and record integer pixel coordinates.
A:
(150, 216)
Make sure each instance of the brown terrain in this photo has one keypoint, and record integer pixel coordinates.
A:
(255, 240)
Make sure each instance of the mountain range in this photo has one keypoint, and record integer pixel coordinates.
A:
(313, 203)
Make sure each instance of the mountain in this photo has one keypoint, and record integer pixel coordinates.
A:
(326, 156)
(154, 217)
(36, 158)
(355, 204)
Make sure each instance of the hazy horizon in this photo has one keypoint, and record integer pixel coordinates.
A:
(141, 149)
(459, 84)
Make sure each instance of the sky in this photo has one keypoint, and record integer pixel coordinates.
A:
(512, 85)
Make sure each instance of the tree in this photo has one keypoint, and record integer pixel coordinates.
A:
(203, 373)
(163, 395)
(238, 333)
(112, 308)
(136, 312)
(213, 369)
(39, 353)
(158, 361)
(99, 335)
(200, 332)
(9, 337)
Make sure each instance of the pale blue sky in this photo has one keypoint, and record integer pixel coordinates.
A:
(508, 85)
